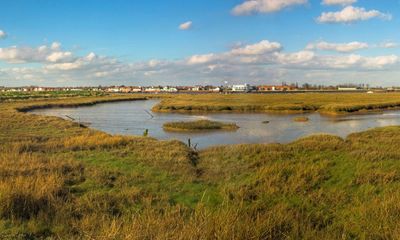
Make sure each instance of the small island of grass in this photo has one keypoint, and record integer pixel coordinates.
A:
(199, 125)
(301, 119)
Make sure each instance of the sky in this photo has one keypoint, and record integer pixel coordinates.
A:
(181, 42)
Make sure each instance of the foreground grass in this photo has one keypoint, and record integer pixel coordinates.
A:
(58, 180)
(338, 103)
(199, 125)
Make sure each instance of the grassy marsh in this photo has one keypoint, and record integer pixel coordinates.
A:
(337, 103)
(61, 181)
(199, 125)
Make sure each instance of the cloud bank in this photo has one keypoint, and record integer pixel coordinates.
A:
(261, 62)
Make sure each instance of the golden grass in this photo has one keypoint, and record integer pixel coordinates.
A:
(301, 119)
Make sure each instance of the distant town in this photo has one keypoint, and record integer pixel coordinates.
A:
(239, 88)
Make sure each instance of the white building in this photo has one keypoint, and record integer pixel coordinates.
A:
(169, 89)
(347, 89)
(241, 88)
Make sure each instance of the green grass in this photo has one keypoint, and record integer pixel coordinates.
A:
(199, 125)
(7, 96)
(58, 180)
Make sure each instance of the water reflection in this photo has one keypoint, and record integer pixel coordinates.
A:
(132, 118)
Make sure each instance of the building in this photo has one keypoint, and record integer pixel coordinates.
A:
(241, 88)
(272, 88)
(152, 89)
(169, 89)
(347, 89)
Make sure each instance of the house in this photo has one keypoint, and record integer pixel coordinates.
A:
(216, 89)
(241, 88)
(152, 89)
(272, 88)
(136, 89)
(38, 89)
(112, 89)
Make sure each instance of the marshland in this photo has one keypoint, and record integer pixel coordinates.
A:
(137, 117)
(61, 180)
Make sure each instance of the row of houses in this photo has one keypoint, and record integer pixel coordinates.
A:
(198, 88)
(263, 88)
(159, 89)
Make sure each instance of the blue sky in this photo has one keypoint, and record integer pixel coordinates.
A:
(140, 42)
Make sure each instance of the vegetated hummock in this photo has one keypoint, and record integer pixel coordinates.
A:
(61, 181)
(199, 125)
(301, 119)
(335, 103)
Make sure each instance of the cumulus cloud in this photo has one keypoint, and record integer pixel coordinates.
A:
(53, 53)
(200, 59)
(264, 6)
(351, 14)
(58, 56)
(262, 47)
(3, 34)
(338, 2)
(338, 47)
(186, 25)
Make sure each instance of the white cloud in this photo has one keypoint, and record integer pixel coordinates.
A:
(58, 56)
(15, 54)
(3, 34)
(338, 2)
(186, 25)
(302, 57)
(200, 59)
(55, 46)
(91, 56)
(338, 47)
(351, 14)
(380, 61)
(65, 66)
(264, 6)
(389, 45)
(262, 47)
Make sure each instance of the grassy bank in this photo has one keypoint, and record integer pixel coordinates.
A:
(338, 103)
(7, 96)
(199, 125)
(61, 181)
(301, 119)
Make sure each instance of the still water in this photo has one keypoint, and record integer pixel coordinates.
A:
(132, 118)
